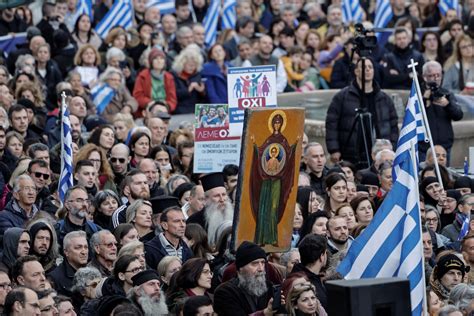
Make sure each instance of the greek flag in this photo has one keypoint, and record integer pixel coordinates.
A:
(228, 15)
(82, 7)
(464, 228)
(445, 5)
(66, 177)
(120, 14)
(9, 42)
(165, 6)
(383, 13)
(210, 22)
(391, 245)
(351, 11)
(102, 94)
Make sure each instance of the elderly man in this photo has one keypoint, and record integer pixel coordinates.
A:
(170, 242)
(441, 109)
(146, 293)
(448, 272)
(218, 208)
(249, 292)
(28, 271)
(334, 23)
(21, 207)
(104, 247)
(76, 253)
(22, 301)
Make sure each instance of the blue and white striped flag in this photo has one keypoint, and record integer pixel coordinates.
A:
(228, 14)
(351, 11)
(66, 176)
(102, 94)
(165, 6)
(383, 13)
(445, 5)
(210, 22)
(82, 7)
(120, 14)
(391, 245)
(465, 227)
(9, 42)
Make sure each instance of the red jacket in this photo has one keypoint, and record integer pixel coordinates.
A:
(142, 91)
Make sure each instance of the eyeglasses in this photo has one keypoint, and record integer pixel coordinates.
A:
(40, 174)
(465, 46)
(431, 220)
(114, 160)
(135, 270)
(110, 244)
(81, 201)
(5, 286)
(28, 189)
(207, 272)
(95, 160)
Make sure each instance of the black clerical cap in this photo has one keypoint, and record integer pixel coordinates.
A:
(162, 202)
(145, 276)
(212, 180)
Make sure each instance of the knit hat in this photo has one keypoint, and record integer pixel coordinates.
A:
(462, 182)
(449, 262)
(154, 53)
(212, 180)
(369, 178)
(145, 276)
(248, 252)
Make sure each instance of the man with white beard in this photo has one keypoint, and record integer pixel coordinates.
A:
(218, 208)
(235, 296)
(147, 295)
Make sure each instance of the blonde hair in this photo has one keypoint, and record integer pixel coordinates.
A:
(127, 118)
(456, 55)
(35, 90)
(130, 248)
(191, 52)
(78, 56)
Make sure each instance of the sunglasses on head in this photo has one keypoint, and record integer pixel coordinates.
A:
(39, 175)
(121, 160)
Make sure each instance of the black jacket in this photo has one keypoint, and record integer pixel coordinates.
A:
(231, 300)
(187, 100)
(154, 252)
(315, 279)
(62, 278)
(399, 60)
(342, 113)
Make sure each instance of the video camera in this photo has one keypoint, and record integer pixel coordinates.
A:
(364, 43)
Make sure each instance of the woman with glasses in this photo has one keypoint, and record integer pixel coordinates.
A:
(134, 248)
(139, 213)
(121, 280)
(84, 287)
(459, 66)
(193, 279)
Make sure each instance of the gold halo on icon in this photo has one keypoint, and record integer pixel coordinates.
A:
(270, 119)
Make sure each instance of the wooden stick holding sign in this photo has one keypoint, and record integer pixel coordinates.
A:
(268, 177)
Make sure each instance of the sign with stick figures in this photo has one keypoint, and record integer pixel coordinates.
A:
(249, 88)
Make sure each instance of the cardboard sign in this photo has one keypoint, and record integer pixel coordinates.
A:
(213, 147)
(268, 177)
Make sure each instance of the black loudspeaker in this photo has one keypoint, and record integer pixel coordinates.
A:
(369, 297)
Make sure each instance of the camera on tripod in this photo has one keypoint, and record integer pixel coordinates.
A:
(364, 44)
(436, 91)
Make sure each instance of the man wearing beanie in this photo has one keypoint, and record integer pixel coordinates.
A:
(146, 293)
(249, 292)
(448, 272)
(465, 207)
(218, 208)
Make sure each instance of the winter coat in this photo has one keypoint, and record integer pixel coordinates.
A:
(62, 278)
(342, 113)
(231, 300)
(399, 60)
(14, 216)
(143, 86)
(216, 83)
(121, 99)
(9, 255)
(187, 100)
(52, 77)
(154, 252)
(316, 281)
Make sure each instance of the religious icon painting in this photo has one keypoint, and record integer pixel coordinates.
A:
(268, 177)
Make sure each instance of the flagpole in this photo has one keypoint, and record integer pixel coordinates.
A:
(425, 120)
(415, 176)
(61, 115)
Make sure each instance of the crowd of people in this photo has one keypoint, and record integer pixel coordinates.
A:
(139, 233)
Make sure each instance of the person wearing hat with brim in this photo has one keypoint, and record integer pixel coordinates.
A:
(249, 292)
(448, 272)
(169, 242)
(465, 208)
(217, 208)
(146, 293)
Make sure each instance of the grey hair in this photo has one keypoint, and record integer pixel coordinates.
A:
(6, 123)
(164, 263)
(114, 52)
(173, 179)
(130, 248)
(183, 30)
(379, 143)
(461, 295)
(71, 189)
(20, 62)
(310, 145)
(192, 52)
(333, 7)
(96, 238)
(133, 208)
(74, 234)
(448, 309)
(431, 64)
(109, 72)
(84, 276)
(287, 7)
(379, 154)
(285, 257)
(16, 183)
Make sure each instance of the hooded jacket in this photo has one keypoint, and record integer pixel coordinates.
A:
(11, 238)
(48, 261)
